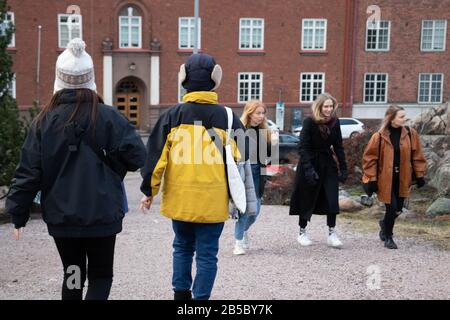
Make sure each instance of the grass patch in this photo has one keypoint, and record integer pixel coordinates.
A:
(354, 190)
(433, 229)
(436, 230)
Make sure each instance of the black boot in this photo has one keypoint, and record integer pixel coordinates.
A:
(389, 243)
(182, 295)
(382, 233)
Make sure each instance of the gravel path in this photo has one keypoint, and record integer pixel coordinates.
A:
(275, 268)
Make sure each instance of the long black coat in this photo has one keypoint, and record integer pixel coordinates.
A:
(316, 151)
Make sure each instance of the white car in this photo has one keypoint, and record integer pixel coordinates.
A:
(272, 125)
(296, 131)
(349, 128)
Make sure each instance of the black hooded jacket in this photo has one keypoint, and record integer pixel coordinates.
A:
(81, 196)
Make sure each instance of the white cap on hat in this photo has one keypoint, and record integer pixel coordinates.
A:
(74, 68)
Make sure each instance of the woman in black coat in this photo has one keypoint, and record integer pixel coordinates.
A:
(316, 188)
(77, 153)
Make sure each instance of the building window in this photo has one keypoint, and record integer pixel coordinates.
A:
(433, 35)
(9, 19)
(130, 28)
(69, 27)
(375, 87)
(377, 36)
(250, 85)
(311, 85)
(186, 33)
(314, 34)
(251, 34)
(430, 87)
(12, 87)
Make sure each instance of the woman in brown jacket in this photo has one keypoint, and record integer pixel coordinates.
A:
(393, 156)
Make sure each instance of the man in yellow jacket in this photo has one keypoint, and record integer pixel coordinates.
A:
(185, 148)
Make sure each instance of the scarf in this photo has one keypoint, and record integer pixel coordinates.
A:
(326, 125)
(204, 97)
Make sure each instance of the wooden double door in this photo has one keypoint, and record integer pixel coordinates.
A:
(128, 101)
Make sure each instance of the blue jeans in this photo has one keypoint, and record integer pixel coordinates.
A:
(203, 239)
(245, 221)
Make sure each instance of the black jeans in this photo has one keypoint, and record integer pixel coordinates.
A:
(100, 257)
(331, 221)
(395, 207)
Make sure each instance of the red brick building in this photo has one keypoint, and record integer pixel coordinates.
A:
(271, 50)
(411, 62)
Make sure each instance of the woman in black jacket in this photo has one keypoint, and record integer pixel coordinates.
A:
(316, 188)
(77, 153)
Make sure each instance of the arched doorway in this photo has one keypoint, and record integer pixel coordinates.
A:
(129, 98)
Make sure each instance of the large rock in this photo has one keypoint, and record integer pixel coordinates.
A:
(439, 207)
(437, 154)
(433, 161)
(343, 194)
(349, 205)
(407, 215)
(441, 180)
(435, 120)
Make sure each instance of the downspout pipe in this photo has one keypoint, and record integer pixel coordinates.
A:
(354, 51)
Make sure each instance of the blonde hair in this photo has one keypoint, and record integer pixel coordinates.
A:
(390, 115)
(317, 106)
(249, 108)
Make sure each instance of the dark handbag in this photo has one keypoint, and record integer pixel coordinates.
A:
(414, 177)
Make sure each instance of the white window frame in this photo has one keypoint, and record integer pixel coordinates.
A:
(13, 37)
(80, 23)
(12, 87)
(376, 81)
(191, 24)
(377, 41)
(314, 35)
(250, 81)
(251, 33)
(311, 95)
(432, 37)
(431, 82)
(129, 25)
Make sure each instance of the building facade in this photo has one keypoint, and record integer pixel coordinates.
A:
(287, 52)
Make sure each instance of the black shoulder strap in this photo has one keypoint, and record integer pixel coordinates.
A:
(410, 141)
(101, 153)
(104, 156)
(409, 133)
(379, 151)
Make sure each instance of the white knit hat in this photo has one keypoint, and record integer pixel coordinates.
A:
(74, 68)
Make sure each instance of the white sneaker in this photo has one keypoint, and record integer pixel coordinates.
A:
(304, 240)
(333, 240)
(238, 248)
(245, 241)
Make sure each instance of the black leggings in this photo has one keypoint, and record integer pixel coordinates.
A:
(331, 221)
(100, 257)
(394, 208)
